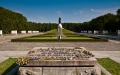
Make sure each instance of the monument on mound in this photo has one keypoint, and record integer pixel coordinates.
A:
(59, 29)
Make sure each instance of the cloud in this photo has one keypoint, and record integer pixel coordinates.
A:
(18, 11)
(104, 11)
(42, 18)
(58, 13)
(78, 12)
(33, 20)
(75, 13)
(81, 12)
(92, 10)
(38, 19)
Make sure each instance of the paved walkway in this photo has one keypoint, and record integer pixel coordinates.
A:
(104, 36)
(14, 49)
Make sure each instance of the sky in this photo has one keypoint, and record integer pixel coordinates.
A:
(75, 11)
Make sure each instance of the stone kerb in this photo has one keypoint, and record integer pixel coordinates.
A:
(89, 31)
(1, 32)
(14, 32)
(95, 32)
(23, 32)
(105, 31)
(29, 31)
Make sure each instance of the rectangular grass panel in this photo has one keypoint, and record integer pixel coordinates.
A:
(7, 65)
(51, 36)
(110, 65)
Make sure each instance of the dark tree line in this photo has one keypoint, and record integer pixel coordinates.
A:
(108, 22)
(10, 20)
(42, 27)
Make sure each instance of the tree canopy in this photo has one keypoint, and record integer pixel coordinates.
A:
(10, 20)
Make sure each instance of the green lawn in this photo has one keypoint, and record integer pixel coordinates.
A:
(110, 65)
(51, 36)
(7, 65)
(56, 38)
(103, 73)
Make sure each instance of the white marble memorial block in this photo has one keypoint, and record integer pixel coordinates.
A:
(82, 31)
(35, 31)
(118, 32)
(105, 31)
(23, 32)
(14, 32)
(29, 31)
(90, 31)
(0, 32)
(95, 32)
(85, 31)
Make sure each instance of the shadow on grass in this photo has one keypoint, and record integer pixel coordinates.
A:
(10, 68)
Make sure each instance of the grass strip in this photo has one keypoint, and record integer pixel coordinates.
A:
(7, 65)
(110, 65)
(103, 73)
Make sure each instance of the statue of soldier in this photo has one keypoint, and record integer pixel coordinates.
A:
(59, 20)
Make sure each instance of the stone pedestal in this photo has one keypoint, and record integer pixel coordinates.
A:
(59, 31)
(58, 61)
(59, 71)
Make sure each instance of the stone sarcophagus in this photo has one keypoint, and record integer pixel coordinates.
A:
(58, 61)
(58, 56)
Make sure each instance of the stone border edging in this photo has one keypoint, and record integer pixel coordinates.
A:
(103, 69)
(13, 70)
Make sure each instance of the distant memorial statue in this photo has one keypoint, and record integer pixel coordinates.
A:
(59, 31)
(59, 20)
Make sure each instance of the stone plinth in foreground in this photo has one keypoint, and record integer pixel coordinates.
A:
(59, 70)
(58, 61)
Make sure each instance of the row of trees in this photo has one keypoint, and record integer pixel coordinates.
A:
(10, 20)
(42, 27)
(108, 22)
